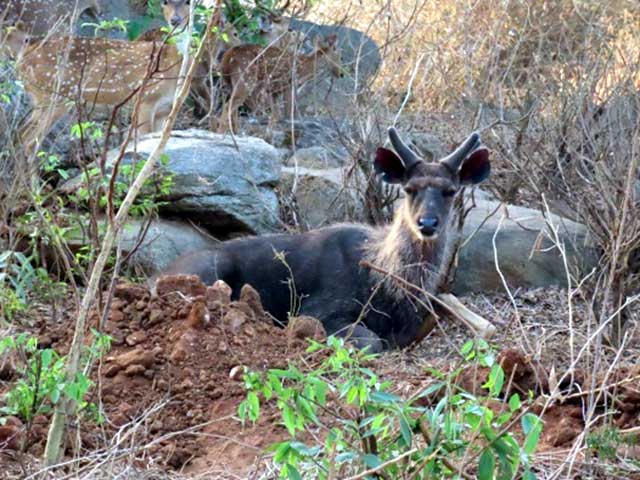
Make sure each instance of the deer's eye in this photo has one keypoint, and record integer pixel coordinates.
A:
(449, 192)
(409, 190)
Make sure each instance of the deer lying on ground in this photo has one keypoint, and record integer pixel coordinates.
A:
(39, 17)
(61, 72)
(325, 266)
(253, 72)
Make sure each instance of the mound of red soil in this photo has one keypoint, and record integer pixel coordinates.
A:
(188, 345)
(185, 347)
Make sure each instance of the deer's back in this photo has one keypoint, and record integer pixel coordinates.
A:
(102, 68)
(256, 64)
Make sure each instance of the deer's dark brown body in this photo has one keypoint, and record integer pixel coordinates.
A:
(322, 269)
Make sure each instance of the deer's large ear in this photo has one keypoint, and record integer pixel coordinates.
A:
(389, 165)
(476, 167)
(331, 40)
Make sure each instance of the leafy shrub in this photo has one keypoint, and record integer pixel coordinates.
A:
(366, 426)
(42, 377)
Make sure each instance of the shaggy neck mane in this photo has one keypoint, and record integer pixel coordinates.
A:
(396, 250)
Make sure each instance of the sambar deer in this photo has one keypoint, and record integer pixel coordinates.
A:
(324, 268)
(256, 74)
(40, 17)
(61, 72)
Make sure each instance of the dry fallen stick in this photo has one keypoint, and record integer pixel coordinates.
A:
(450, 302)
(472, 320)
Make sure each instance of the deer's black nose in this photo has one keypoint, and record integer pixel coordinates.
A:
(176, 21)
(428, 225)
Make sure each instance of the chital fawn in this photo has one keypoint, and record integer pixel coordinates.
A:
(331, 267)
(40, 17)
(63, 72)
(273, 29)
(256, 74)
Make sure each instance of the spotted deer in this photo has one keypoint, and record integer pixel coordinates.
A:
(61, 72)
(40, 17)
(273, 28)
(255, 74)
(332, 268)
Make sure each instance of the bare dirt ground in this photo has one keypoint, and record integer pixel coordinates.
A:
(172, 382)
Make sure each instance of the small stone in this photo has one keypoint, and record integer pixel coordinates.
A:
(219, 293)
(156, 426)
(117, 304)
(303, 327)
(198, 316)
(45, 341)
(156, 316)
(184, 346)
(251, 297)
(189, 285)
(234, 319)
(130, 292)
(112, 370)
(133, 370)
(141, 305)
(236, 373)
(13, 421)
(136, 338)
(116, 316)
(11, 437)
(134, 357)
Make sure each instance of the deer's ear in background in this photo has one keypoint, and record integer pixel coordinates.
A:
(389, 165)
(475, 168)
(331, 40)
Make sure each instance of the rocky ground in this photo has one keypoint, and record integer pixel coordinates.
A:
(172, 382)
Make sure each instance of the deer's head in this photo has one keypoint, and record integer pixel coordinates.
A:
(328, 49)
(430, 187)
(176, 12)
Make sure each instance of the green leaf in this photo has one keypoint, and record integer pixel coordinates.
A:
(345, 457)
(514, 402)
(529, 420)
(45, 357)
(495, 381)
(55, 396)
(282, 451)
(253, 403)
(371, 460)
(504, 418)
(405, 431)
(431, 389)
(289, 417)
(293, 472)
(533, 436)
(466, 348)
(320, 389)
(529, 475)
(486, 465)
(384, 397)
(352, 394)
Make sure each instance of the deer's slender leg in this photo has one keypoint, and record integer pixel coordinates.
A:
(37, 125)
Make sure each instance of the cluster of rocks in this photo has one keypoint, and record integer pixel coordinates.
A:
(225, 186)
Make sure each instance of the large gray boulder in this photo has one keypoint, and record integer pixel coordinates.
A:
(156, 247)
(524, 251)
(319, 197)
(360, 53)
(361, 60)
(226, 184)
